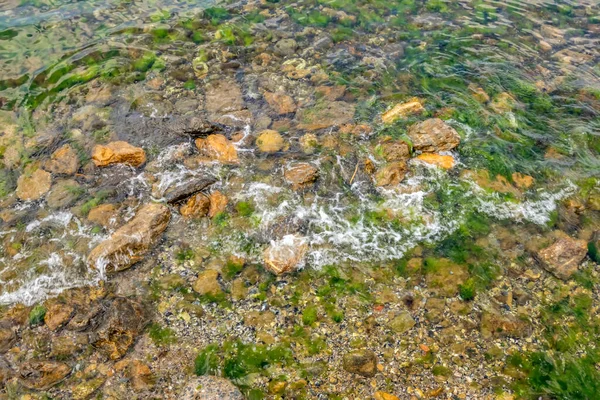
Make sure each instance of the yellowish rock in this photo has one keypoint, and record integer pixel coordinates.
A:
(218, 203)
(32, 186)
(391, 175)
(522, 181)
(445, 162)
(379, 395)
(218, 147)
(196, 206)
(63, 161)
(270, 141)
(207, 283)
(403, 110)
(118, 153)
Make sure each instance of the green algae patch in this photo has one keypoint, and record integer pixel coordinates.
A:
(236, 360)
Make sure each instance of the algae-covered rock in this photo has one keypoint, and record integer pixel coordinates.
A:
(361, 362)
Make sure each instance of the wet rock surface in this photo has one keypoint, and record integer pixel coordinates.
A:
(130, 243)
(563, 257)
(118, 153)
(433, 135)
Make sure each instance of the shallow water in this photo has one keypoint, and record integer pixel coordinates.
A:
(439, 52)
(518, 81)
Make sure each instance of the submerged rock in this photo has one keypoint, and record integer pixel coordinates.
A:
(563, 257)
(402, 110)
(63, 161)
(181, 191)
(270, 141)
(123, 322)
(395, 150)
(280, 102)
(104, 215)
(325, 115)
(403, 322)
(210, 387)
(361, 362)
(433, 135)
(301, 175)
(217, 147)
(8, 335)
(196, 206)
(130, 243)
(64, 193)
(207, 283)
(33, 186)
(218, 203)
(57, 315)
(495, 323)
(285, 255)
(41, 375)
(118, 153)
(445, 162)
(391, 175)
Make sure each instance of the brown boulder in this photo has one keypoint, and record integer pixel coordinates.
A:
(280, 102)
(123, 322)
(130, 243)
(41, 375)
(57, 315)
(217, 147)
(285, 255)
(223, 96)
(301, 175)
(118, 153)
(395, 150)
(433, 135)
(63, 161)
(391, 175)
(563, 257)
(33, 186)
(325, 115)
(196, 206)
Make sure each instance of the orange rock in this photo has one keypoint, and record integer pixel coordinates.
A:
(301, 175)
(218, 147)
(196, 206)
(379, 395)
(32, 186)
(104, 215)
(280, 102)
(522, 181)
(411, 107)
(446, 162)
(218, 203)
(63, 161)
(391, 175)
(284, 255)
(118, 153)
